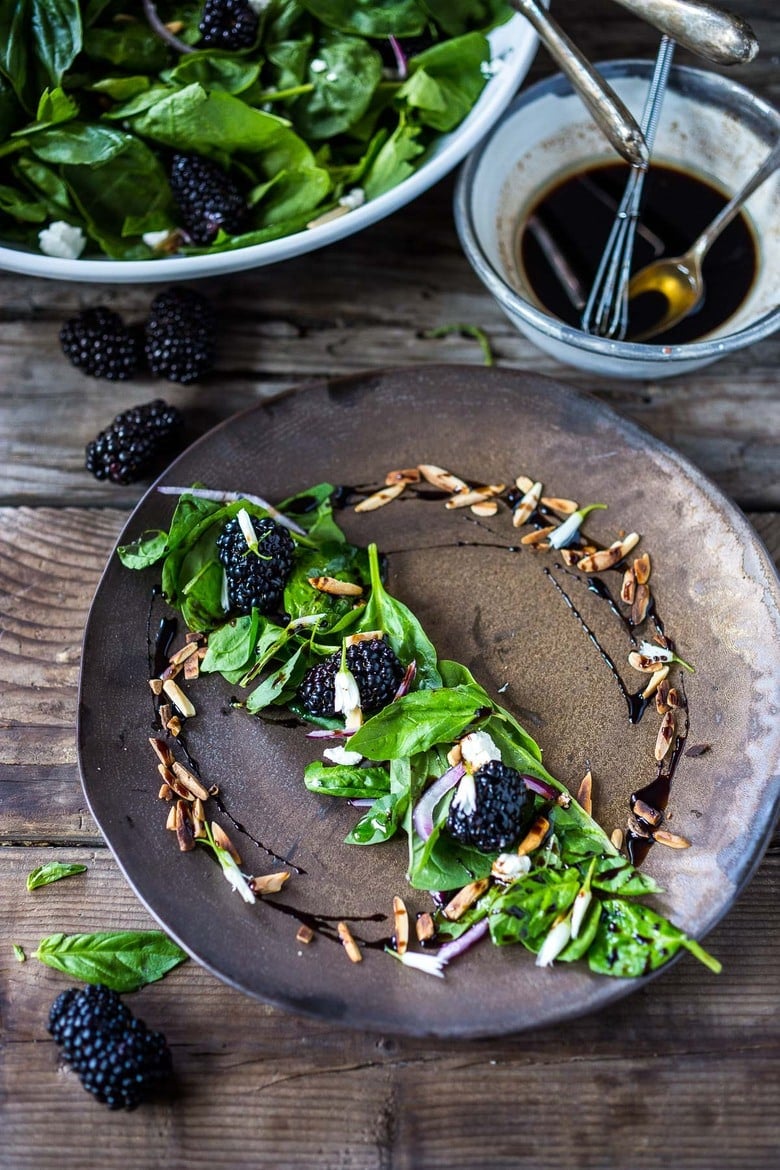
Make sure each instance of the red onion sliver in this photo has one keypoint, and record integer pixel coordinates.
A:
(406, 682)
(362, 801)
(458, 946)
(423, 813)
(541, 787)
(328, 733)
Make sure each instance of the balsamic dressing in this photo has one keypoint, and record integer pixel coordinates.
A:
(676, 208)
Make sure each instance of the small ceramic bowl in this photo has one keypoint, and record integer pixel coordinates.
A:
(710, 126)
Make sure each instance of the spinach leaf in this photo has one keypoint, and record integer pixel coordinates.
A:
(416, 722)
(370, 18)
(616, 875)
(123, 960)
(78, 144)
(380, 822)
(144, 552)
(274, 688)
(133, 47)
(578, 947)
(442, 863)
(393, 161)
(230, 646)
(351, 780)
(55, 27)
(342, 91)
(52, 871)
(456, 17)
(446, 80)
(400, 627)
(214, 71)
(633, 940)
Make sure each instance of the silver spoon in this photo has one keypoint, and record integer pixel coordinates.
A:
(679, 278)
(713, 33)
(606, 108)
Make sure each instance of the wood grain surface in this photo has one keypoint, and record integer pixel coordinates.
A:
(685, 1073)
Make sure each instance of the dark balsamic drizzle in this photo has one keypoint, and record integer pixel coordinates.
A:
(241, 828)
(323, 924)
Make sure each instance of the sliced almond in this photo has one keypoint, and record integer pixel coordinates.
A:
(616, 838)
(655, 681)
(644, 663)
(534, 837)
(335, 587)
(585, 792)
(440, 478)
(221, 838)
(183, 654)
(305, 934)
(406, 475)
(400, 925)
(607, 558)
(525, 508)
(192, 666)
(178, 698)
(486, 508)
(174, 726)
(184, 833)
(662, 697)
(464, 898)
(628, 588)
(424, 928)
(165, 792)
(673, 698)
(642, 569)
(646, 812)
(198, 816)
(465, 499)
(161, 750)
(640, 605)
(538, 536)
(156, 685)
(562, 507)
(665, 735)
(570, 556)
(189, 780)
(165, 712)
(171, 821)
(268, 883)
(380, 498)
(364, 636)
(524, 483)
(455, 754)
(672, 840)
(350, 946)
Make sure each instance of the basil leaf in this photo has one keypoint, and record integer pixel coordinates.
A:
(633, 940)
(123, 960)
(416, 722)
(351, 780)
(52, 871)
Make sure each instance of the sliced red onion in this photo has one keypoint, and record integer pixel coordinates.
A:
(458, 946)
(423, 813)
(540, 787)
(229, 498)
(400, 57)
(362, 801)
(406, 682)
(328, 733)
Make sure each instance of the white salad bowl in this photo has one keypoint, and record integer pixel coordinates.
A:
(513, 47)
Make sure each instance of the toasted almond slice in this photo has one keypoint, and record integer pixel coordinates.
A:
(616, 838)
(194, 636)
(184, 833)
(570, 556)
(424, 928)
(165, 792)
(455, 754)
(538, 536)
(628, 588)
(524, 483)
(562, 507)
(268, 883)
(637, 829)
(198, 814)
(174, 26)
(192, 666)
(380, 498)
(334, 586)
(477, 495)
(440, 478)
(400, 925)
(161, 750)
(665, 735)
(165, 711)
(607, 558)
(525, 508)
(486, 508)
(585, 792)
(178, 698)
(640, 605)
(183, 654)
(646, 812)
(171, 821)
(327, 216)
(534, 837)
(221, 838)
(350, 946)
(644, 663)
(190, 780)
(174, 725)
(662, 697)
(464, 898)
(305, 934)
(365, 636)
(672, 840)
(156, 685)
(406, 475)
(655, 682)
(673, 699)
(642, 569)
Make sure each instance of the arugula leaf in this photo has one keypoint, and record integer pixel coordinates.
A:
(352, 780)
(123, 960)
(528, 909)
(52, 871)
(633, 940)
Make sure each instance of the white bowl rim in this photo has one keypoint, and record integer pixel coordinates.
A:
(513, 43)
(551, 326)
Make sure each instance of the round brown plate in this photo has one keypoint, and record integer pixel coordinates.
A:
(489, 606)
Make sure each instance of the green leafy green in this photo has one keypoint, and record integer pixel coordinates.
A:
(633, 940)
(123, 960)
(416, 722)
(52, 871)
(351, 780)
(19, 953)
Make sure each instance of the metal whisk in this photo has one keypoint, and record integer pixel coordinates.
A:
(606, 311)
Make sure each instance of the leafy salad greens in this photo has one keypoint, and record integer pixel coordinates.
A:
(93, 103)
(571, 895)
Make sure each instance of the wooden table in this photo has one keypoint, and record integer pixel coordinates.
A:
(684, 1073)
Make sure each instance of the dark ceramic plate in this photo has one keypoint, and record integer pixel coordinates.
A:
(489, 607)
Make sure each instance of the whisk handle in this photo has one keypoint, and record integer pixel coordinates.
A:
(708, 31)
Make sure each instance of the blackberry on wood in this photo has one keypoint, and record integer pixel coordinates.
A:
(136, 442)
(256, 580)
(98, 342)
(377, 670)
(180, 335)
(503, 809)
(228, 24)
(114, 1054)
(208, 198)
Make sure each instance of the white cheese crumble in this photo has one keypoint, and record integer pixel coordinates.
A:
(62, 240)
(155, 240)
(258, 6)
(317, 65)
(478, 749)
(342, 755)
(353, 199)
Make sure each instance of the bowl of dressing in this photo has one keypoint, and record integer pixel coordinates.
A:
(534, 204)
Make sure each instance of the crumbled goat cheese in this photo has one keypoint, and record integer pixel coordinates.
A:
(62, 240)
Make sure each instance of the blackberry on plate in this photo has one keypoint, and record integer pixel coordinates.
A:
(98, 342)
(136, 442)
(116, 1057)
(377, 670)
(180, 335)
(502, 812)
(207, 197)
(228, 24)
(256, 580)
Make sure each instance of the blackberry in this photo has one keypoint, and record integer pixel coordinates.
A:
(180, 335)
(377, 670)
(256, 580)
(98, 342)
(504, 808)
(228, 24)
(114, 1054)
(135, 443)
(208, 198)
